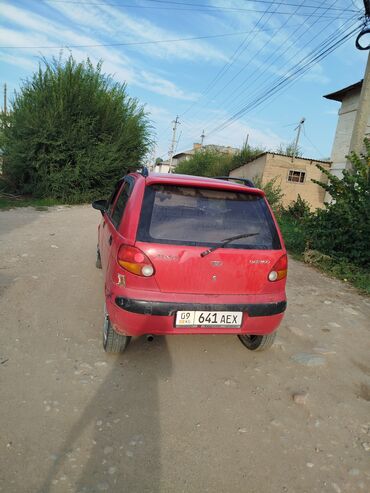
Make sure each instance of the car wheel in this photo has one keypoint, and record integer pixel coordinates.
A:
(113, 342)
(257, 343)
(98, 260)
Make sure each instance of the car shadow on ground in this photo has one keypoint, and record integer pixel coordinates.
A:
(123, 452)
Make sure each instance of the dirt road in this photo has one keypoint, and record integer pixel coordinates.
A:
(180, 414)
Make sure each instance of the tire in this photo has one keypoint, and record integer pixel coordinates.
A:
(98, 260)
(113, 342)
(258, 343)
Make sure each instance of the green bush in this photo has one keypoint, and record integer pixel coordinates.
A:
(210, 162)
(206, 162)
(342, 228)
(298, 209)
(293, 232)
(72, 132)
(273, 192)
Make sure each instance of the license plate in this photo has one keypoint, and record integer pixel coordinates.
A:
(208, 319)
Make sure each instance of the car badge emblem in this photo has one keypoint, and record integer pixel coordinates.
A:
(216, 263)
(214, 278)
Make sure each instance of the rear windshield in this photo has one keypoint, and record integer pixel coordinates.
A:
(201, 217)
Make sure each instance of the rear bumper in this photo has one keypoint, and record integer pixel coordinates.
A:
(166, 309)
(138, 317)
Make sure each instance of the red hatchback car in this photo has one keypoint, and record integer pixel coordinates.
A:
(190, 255)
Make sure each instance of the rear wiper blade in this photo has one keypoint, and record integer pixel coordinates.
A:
(226, 241)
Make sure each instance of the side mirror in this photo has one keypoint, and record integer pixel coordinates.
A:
(100, 205)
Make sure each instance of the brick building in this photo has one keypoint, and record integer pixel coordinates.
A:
(294, 176)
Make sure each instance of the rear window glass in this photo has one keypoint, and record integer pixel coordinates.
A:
(199, 217)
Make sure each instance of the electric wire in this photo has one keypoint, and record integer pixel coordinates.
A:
(201, 8)
(322, 45)
(253, 78)
(273, 91)
(271, 2)
(300, 70)
(251, 59)
(309, 140)
(277, 87)
(226, 67)
(133, 43)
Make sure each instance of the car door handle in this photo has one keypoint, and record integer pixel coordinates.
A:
(110, 240)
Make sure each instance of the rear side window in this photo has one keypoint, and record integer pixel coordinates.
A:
(197, 216)
(113, 196)
(120, 205)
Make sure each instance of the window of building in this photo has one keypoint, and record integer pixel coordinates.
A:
(296, 176)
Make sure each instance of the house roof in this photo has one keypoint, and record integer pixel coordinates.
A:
(279, 154)
(339, 95)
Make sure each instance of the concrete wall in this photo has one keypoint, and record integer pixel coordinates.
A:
(270, 166)
(279, 166)
(343, 133)
(161, 168)
(250, 170)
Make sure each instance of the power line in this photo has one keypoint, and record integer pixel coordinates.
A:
(200, 8)
(134, 43)
(310, 141)
(274, 60)
(284, 77)
(239, 50)
(271, 2)
(250, 60)
(289, 77)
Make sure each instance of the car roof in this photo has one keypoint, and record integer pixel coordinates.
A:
(200, 181)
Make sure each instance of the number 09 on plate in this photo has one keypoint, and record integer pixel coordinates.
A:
(208, 319)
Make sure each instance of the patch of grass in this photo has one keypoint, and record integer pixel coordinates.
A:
(347, 272)
(295, 239)
(6, 203)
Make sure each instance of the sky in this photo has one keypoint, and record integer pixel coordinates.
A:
(226, 82)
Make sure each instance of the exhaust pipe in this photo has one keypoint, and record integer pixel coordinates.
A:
(149, 337)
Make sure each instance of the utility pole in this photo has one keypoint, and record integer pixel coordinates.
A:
(202, 139)
(363, 109)
(5, 100)
(172, 148)
(246, 141)
(295, 148)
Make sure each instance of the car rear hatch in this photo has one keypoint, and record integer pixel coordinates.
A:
(180, 223)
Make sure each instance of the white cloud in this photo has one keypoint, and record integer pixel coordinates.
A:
(19, 61)
(44, 32)
(117, 24)
(163, 86)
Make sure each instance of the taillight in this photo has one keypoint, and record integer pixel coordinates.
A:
(135, 261)
(280, 269)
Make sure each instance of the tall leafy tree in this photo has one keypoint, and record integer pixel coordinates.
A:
(72, 131)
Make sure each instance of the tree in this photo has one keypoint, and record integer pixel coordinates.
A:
(209, 162)
(289, 150)
(158, 160)
(205, 162)
(73, 132)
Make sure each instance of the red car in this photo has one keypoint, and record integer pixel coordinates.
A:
(190, 255)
